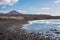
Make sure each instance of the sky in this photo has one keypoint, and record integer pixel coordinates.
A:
(50, 7)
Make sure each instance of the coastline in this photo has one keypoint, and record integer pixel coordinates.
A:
(10, 30)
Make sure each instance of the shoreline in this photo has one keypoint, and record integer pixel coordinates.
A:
(10, 30)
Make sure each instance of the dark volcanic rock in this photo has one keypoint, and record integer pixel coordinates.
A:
(13, 13)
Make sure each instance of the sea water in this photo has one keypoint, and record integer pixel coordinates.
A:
(43, 26)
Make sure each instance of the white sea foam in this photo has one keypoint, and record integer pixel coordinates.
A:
(43, 26)
(48, 21)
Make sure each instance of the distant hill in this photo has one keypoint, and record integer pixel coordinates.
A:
(11, 13)
(15, 14)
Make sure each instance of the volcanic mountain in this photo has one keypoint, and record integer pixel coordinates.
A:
(11, 13)
(14, 13)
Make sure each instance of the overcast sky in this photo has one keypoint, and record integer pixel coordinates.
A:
(51, 7)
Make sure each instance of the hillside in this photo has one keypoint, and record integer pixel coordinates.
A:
(19, 16)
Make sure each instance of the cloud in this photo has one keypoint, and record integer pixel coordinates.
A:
(57, 1)
(45, 8)
(8, 2)
(22, 11)
(4, 12)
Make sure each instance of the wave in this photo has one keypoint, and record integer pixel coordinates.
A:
(46, 21)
